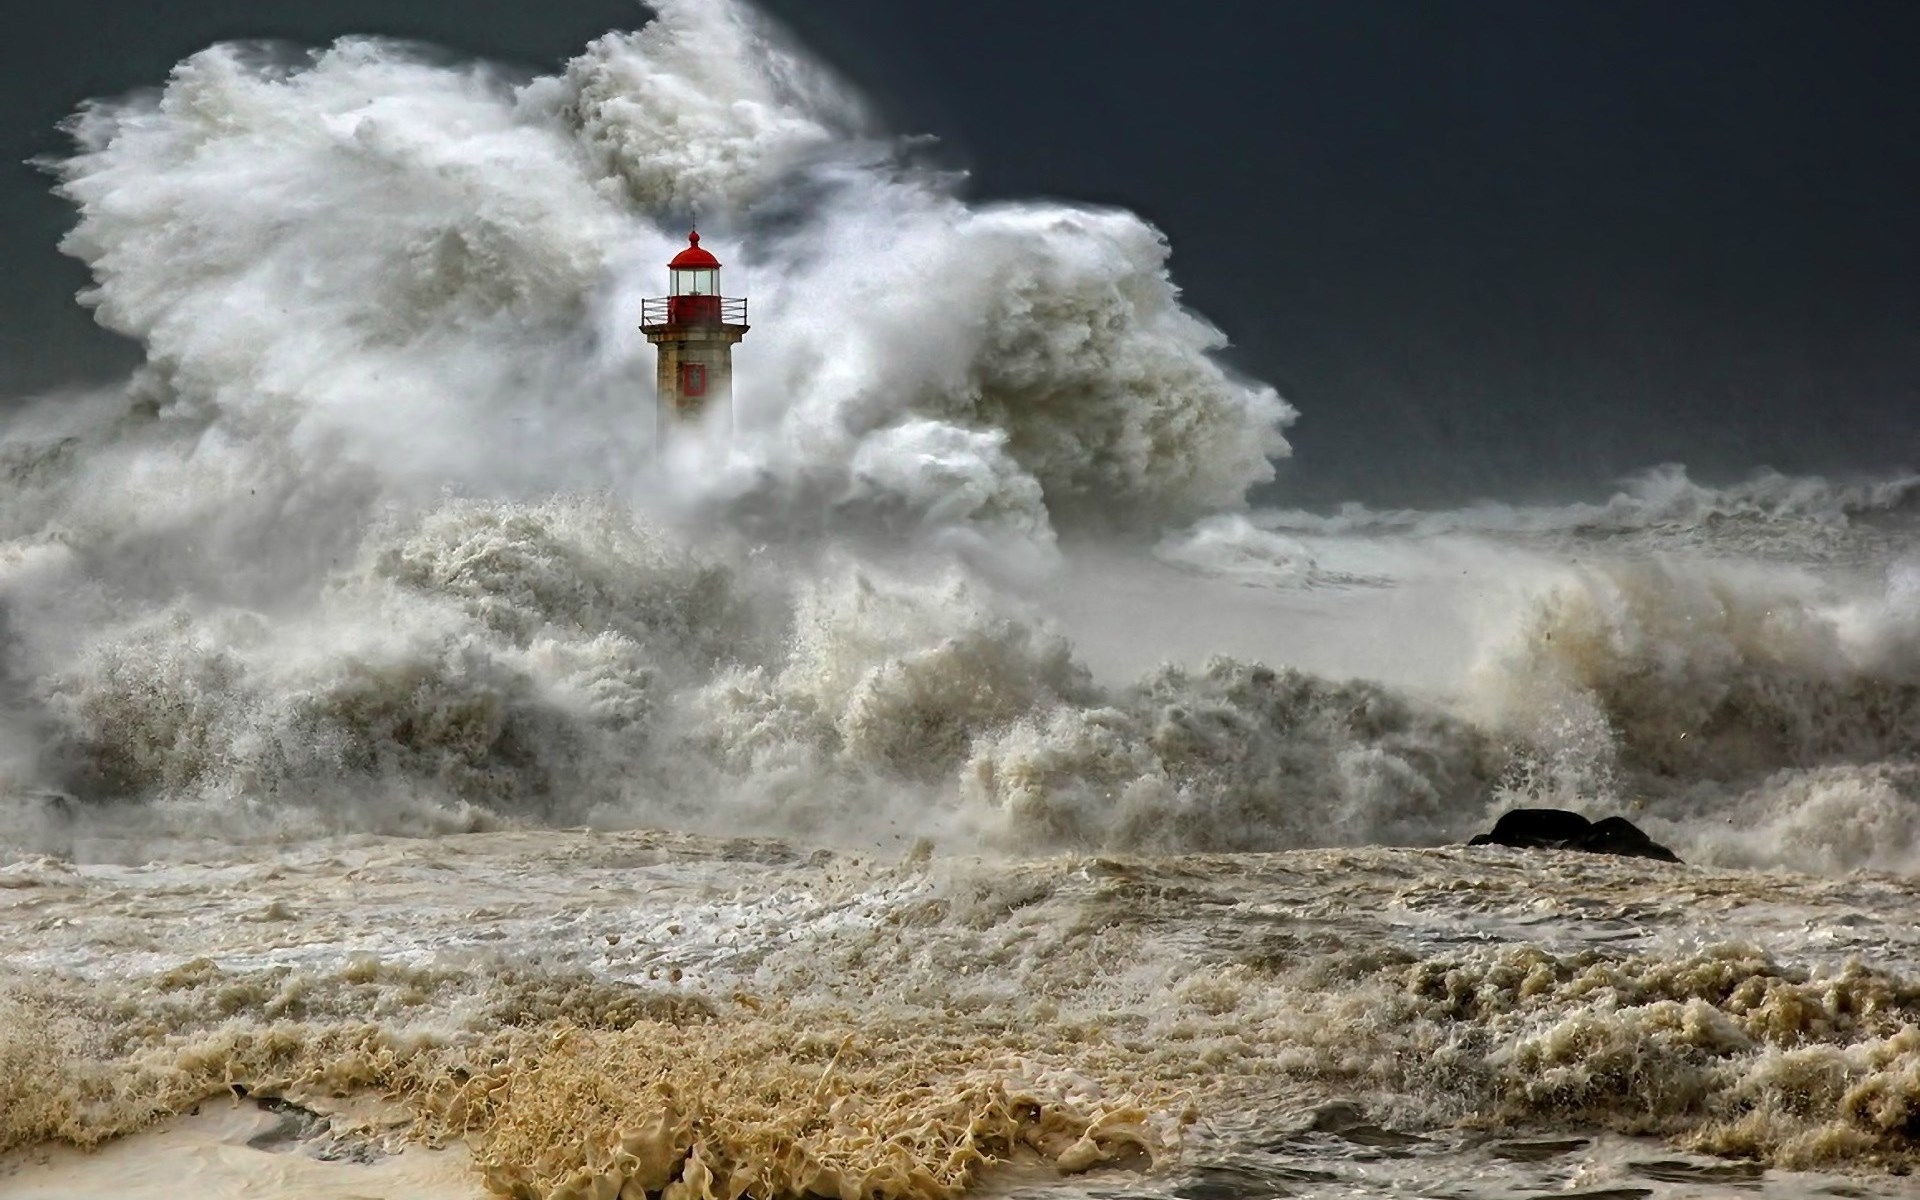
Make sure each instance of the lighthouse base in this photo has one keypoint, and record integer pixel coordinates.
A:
(695, 374)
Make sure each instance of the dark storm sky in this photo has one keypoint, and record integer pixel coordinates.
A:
(1486, 247)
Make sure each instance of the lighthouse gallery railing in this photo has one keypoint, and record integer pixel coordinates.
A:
(694, 310)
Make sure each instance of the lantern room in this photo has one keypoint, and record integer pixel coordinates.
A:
(695, 282)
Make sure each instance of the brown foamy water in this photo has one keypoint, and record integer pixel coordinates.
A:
(570, 1014)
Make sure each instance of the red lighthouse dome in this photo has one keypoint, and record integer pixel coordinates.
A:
(693, 256)
(696, 283)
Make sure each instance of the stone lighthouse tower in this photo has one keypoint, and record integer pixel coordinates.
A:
(695, 330)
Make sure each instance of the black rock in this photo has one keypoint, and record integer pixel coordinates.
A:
(1617, 835)
(1558, 829)
(1536, 829)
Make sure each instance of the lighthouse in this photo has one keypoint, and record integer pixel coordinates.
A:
(696, 330)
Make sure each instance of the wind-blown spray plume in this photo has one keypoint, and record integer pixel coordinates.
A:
(368, 260)
(365, 278)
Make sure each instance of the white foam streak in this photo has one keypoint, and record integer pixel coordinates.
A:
(1662, 500)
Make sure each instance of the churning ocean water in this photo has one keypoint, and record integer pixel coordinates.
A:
(414, 784)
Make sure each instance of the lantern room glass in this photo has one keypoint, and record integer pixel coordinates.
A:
(696, 281)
